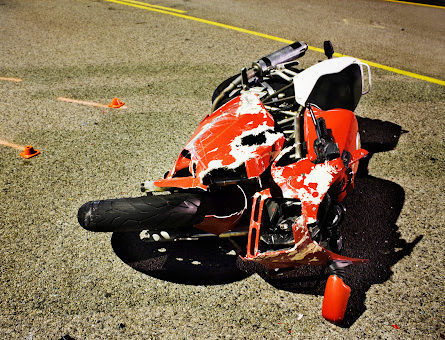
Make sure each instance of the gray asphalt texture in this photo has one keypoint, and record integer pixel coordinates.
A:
(57, 279)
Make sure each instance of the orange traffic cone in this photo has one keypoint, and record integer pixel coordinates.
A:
(116, 103)
(29, 152)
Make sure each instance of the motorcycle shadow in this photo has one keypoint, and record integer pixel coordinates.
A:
(369, 231)
(207, 261)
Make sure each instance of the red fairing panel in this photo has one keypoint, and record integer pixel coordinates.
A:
(342, 124)
(304, 251)
(241, 132)
(309, 183)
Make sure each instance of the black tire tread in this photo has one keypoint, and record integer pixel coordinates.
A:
(161, 212)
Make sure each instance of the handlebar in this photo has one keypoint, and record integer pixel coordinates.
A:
(288, 53)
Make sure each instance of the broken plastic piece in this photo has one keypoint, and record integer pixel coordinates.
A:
(116, 103)
(336, 296)
(29, 152)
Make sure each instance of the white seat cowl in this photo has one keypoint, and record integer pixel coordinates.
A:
(305, 81)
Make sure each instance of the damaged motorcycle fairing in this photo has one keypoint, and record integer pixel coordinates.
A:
(239, 141)
(309, 182)
(282, 145)
(236, 142)
(239, 137)
(242, 131)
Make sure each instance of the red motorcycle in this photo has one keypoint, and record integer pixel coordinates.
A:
(273, 161)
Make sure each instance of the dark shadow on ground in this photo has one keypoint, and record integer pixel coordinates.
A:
(369, 231)
(199, 262)
(376, 136)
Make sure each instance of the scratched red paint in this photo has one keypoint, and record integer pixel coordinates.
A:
(221, 141)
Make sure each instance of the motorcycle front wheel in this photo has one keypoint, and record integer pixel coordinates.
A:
(174, 211)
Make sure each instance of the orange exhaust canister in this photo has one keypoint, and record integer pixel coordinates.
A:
(335, 301)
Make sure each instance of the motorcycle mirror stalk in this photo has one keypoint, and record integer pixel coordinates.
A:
(328, 49)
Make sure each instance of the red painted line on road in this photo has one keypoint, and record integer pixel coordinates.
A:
(17, 80)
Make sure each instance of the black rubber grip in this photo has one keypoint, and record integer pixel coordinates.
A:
(161, 212)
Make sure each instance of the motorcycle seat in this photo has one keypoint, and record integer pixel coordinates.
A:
(330, 84)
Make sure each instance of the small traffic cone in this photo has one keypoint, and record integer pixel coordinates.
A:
(116, 103)
(29, 152)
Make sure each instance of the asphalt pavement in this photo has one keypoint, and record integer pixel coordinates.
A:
(60, 280)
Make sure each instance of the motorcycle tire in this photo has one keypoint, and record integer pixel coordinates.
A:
(161, 212)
